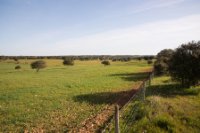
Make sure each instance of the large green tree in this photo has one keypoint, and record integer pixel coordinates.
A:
(185, 64)
(161, 65)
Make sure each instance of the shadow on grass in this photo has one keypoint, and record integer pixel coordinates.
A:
(105, 97)
(112, 97)
(99, 98)
(170, 90)
(132, 76)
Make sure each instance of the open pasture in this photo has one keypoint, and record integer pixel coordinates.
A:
(59, 97)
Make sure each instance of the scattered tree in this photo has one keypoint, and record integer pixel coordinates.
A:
(38, 65)
(105, 62)
(68, 61)
(185, 64)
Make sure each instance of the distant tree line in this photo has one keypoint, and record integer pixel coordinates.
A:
(182, 64)
(69, 60)
(123, 58)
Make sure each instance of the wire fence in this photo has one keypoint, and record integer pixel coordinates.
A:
(124, 117)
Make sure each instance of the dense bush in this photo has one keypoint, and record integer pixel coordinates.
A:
(185, 64)
(105, 62)
(161, 65)
(68, 61)
(38, 65)
(17, 67)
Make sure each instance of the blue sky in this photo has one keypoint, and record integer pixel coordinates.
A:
(95, 27)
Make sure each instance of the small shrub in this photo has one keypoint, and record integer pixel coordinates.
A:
(68, 62)
(17, 67)
(149, 61)
(139, 58)
(105, 62)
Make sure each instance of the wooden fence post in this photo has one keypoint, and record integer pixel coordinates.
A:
(117, 119)
(150, 76)
(144, 90)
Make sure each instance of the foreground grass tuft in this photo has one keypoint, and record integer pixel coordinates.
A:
(164, 123)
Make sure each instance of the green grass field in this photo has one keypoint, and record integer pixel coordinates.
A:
(59, 97)
(169, 108)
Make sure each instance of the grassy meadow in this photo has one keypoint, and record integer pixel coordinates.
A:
(168, 108)
(59, 97)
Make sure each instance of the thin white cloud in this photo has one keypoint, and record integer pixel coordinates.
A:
(147, 38)
(156, 4)
(144, 7)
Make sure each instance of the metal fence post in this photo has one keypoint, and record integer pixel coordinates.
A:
(117, 119)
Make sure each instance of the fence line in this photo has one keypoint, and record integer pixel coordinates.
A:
(142, 88)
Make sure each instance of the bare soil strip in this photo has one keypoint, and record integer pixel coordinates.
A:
(95, 123)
